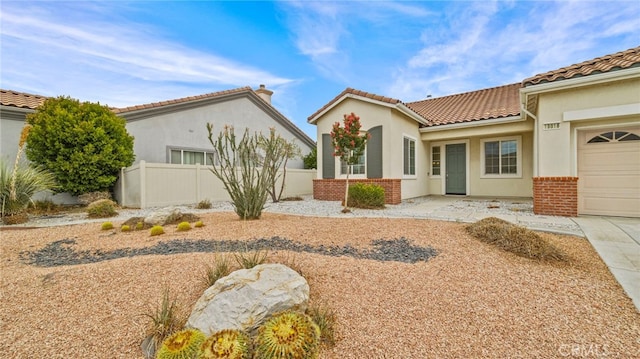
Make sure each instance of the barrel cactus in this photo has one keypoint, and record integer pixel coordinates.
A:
(156, 230)
(288, 335)
(183, 344)
(226, 344)
(184, 226)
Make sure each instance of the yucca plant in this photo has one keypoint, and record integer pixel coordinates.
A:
(19, 184)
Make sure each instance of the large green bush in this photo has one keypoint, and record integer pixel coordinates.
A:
(83, 144)
(363, 195)
(311, 159)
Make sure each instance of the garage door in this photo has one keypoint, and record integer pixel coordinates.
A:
(609, 172)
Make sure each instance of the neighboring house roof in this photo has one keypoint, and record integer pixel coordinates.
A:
(618, 61)
(491, 103)
(181, 100)
(20, 99)
(367, 96)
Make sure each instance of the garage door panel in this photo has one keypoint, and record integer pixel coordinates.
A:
(609, 175)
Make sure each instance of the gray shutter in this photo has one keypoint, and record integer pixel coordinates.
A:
(374, 153)
(328, 160)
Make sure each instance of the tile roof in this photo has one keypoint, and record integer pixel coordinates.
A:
(618, 61)
(20, 99)
(351, 91)
(181, 100)
(495, 102)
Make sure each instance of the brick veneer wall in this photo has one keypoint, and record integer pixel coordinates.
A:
(333, 189)
(556, 196)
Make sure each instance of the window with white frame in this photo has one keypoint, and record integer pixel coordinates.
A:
(501, 157)
(409, 156)
(435, 161)
(356, 169)
(191, 157)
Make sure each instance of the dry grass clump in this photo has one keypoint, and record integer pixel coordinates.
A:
(102, 208)
(515, 239)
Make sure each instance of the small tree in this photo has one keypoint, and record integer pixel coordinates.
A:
(280, 151)
(242, 170)
(311, 159)
(83, 144)
(349, 144)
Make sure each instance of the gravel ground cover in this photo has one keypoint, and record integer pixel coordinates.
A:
(470, 300)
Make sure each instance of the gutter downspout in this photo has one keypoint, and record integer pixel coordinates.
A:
(523, 108)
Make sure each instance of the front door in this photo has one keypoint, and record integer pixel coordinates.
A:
(456, 168)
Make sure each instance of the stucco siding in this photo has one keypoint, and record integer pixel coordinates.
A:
(557, 147)
(9, 138)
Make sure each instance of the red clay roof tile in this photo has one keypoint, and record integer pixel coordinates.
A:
(495, 102)
(352, 91)
(21, 99)
(618, 61)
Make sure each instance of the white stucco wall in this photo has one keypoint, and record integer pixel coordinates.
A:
(557, 147)
(186, 129)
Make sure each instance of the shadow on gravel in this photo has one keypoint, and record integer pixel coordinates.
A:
(61, 253)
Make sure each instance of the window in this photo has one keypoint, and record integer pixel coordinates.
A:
(185, 157)
(409, 150)
(617, 136)
(435, 161)
(501, 157)
(357, 169)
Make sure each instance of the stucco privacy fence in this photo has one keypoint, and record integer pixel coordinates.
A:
(146, 185)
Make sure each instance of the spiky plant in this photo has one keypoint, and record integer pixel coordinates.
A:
(125, 228)
(198, 224)
(290, 335)
(226, 344)
(222, 268)
(19, 184)
(157, 230)
(183, 226)
(106, 226)
(139, 226)
(181, 345)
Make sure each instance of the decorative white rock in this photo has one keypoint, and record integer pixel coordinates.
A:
(246, 298)
(160, 217)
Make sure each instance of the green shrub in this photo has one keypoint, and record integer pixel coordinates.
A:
(515, 239)
(102, 208)
(125, 228)
(83, 144)
(204, 204)
(363, 195)
(183, 226)
(107, 226)
(157, 230)
(198, 224)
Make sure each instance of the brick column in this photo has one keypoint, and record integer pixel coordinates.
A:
(333, 189)
(555, 196)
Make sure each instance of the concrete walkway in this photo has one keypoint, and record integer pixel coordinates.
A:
(617, 241)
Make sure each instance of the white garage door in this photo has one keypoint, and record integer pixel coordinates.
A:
(609, 172)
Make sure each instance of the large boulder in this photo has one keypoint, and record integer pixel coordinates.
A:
(246, 298)
(163, 216)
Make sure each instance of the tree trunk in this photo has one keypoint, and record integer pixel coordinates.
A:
(346, 192)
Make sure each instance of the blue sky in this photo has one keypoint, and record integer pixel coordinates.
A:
(124, 53)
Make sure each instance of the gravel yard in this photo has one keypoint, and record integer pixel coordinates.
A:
(401, 288)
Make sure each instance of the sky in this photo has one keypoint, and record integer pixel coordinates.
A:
(124, 53)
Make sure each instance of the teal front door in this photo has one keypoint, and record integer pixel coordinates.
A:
(456, 168)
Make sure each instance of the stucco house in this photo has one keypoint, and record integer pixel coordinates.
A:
(172, 131)
(568, 138)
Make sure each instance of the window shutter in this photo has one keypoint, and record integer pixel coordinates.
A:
(328, 160)
(374, 153)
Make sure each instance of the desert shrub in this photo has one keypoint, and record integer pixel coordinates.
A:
(43, 207)
(325, 318)
(102, 208)
(204, 204)
(125, 228)
(221, 268)
(90, 197)
(362, 195)
(183, 226)
(198, 224)
(291, 199)
(156, 230)
(18, 183)
(288, 335)
(106, 226)
(183, 344)
(248, 260)
(165, 319)
(515, 239)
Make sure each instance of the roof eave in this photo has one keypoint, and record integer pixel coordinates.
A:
(335, 103)
(476, 123)
(563, 84)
